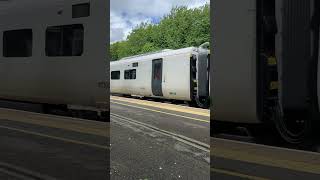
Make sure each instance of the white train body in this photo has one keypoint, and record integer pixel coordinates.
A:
(59, 56)
(166, 74)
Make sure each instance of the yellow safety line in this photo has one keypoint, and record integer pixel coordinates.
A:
(195, 119)
(56, 138)
(240, 155)
(164, 106)
(70, 127)
(221, 171)
(76, 126)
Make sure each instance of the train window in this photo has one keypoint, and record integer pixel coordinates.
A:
(17, 43)
(115, 75)
(81, 10)
(65, 40)
(130, 74)
(135, 64)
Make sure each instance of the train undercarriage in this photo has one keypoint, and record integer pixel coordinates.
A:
(287, 68)
(98, 114)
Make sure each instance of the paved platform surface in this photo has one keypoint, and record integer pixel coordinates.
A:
(153, 140)
(52, 147)
(149, 140)
(239, 160)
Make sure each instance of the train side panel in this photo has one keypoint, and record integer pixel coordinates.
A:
(234, 62)
(144, 75)
(142, 84)
(139, 86)
(176, 77)
(116, 84)
(73, 80)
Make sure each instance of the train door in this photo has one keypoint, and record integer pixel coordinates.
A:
(157, 77)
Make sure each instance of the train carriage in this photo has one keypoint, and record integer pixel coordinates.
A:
(167, 74)
(54, 52)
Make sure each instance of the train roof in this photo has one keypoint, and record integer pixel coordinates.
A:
(155, 55)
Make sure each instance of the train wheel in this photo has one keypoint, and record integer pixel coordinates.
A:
(105, 116)
(294, 129)
(192, 103)
(218, 127)
(143, 98)
(203, 102)
(265, 134)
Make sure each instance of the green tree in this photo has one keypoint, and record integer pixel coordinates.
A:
(182, 27)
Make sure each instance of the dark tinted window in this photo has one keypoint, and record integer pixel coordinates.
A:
(130, 74)
(81, 10)
(157, 71)
(135, 64)
(65, 40)
(17, 43)
(115, 75)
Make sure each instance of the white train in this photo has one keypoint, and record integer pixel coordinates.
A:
(53, 52)
(266, 67)
(181, 74)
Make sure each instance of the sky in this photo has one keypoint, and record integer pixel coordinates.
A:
(127, 14)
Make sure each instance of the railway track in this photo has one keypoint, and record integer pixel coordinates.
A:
(21, 173)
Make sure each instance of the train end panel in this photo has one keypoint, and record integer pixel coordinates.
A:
(203, 78)
(233, 81)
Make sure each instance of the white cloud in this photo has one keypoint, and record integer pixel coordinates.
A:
(126, 14)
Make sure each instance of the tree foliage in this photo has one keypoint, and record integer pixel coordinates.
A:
(182, 27)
